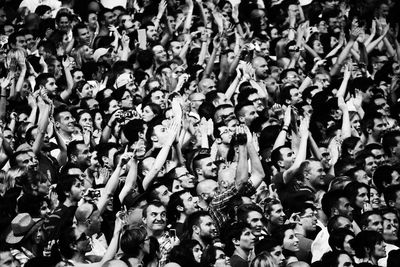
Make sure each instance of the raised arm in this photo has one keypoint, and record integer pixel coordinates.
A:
(281, 139)
(257, 171)
(130, 180)
(44, 109)
(242, 169)
(301, 155)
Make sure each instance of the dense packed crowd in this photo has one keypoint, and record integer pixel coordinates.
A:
(260, 133)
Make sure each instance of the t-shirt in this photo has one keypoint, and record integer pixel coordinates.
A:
(237, 261)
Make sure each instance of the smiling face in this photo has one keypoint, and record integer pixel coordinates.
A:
(155, 219)
(290, 241)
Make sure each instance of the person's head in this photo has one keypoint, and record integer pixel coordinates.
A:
(282, 157)
(246, 113)
(17, 40)
(366, 160)
(47, 83)
(181, 203)
(385, 176)
(79, 154)
(150, 111)
(204, 166)
(374, 126)
(34, 183)
(290, 95)
(260, 67)
(73, 242)
(336, 203)
(307, 215)
(273, 211)
(358, 194)
(285, 234)
(214, 256)
(377, 151)
(391, 144)
(392, 196)
(339, 222)
(160, 56)
(313, 173)
(239, 237)
(107, 17)
(151, 31)
(264, 259)
(88, 216)
(155, 217)
(206, 85)
(338, 258)
(390, 225)
(341, 239)
(157, 96)
(7, 259)
(135, 242)
(81, 33)
(70, 187)
(372, 221)
(207, 189)
(290, 76)
(370, 245)
(253, 216)
(200, 226)
(24, 159)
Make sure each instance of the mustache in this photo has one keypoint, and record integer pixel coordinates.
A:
(160, 221)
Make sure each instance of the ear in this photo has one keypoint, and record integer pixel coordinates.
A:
(241, 119)
(154, 138)
(199, 171)
(196, 229)
(179, 208)
(34, 187)
(391, 203)
(334, 211)
(287, 101)
(280, 163)
(218, 140)
(235, 241)
(144, 220)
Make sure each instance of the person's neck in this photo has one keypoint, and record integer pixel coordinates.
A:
(79, 257)
(299, 230)
(371, 139)
(198, 238)
(137, 260)
(65, 134)
(182, 218)
(244, 254)
(69, 203)
(84, 228)
(157, 234)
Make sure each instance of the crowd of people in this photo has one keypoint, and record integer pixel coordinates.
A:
(260, 133)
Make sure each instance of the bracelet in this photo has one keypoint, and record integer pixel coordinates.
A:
(285, 128)
(108, 126)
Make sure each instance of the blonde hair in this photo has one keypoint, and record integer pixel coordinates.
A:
(263, 259)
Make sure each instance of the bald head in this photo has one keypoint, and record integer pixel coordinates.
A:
(206, 85)
(260, 66)
(226, 177)
(206, 188)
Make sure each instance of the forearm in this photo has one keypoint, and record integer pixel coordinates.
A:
(257, 171)
(346, 125)
(374, 43)
(203, 53)
(343, 86)
(242, 171)
(232, 87)
(3, 104)
(130, 181)
(20, 82)
(70, 84)
(106, 133)
(32, 115)
(110, 188)
(42, 127)
(210, 63)
(390, 50)
(342, 57)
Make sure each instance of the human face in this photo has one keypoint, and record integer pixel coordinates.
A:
(317, 46)
(277, 255)
(379, 250)
(127, 100)
(189, 203)
(64, 24)
(209, 169)
(163, 194)
(356, 125)
(344, 207)
(288, 157)
(316, 174)
(295, 96)
(155, 218)
(186, 179)
(161, 135)
(30, 42)
(382, 106)
(92, 20)
(221, 259)
(346, 245)
(277, 215)
(113, 106)
(20, 43)
(110, 18)
(158, 97)
(370, 166)
(76, 191)
(254, 220)
(261, 68)
(78, 76)
(7, 259)
(392, 218)
(375, 223)
(257, 101)
(84, 36)
(344, 261)
(225, 134)
(148, 114)
(389, 231)
(86, 121)
(44, 210)
(247, 240)
(197, 252)
(159, 54)
(344, 223)
(379, 156)
(152, 34)
(87, 91)
(379, 128)
(362, 197)
(176, 48)
(98, 120)
(207, 228)
(87, 52)
(362, 177)
(82, 242)
(51, 87)
(290, 241)
(249, 115)
(83, 156)
(374, 198)
(309, 220)
(66, 122)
